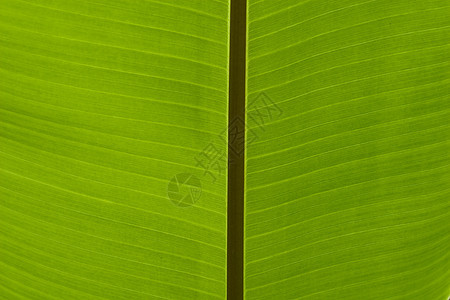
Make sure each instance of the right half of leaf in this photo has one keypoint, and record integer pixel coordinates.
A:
(348, 151)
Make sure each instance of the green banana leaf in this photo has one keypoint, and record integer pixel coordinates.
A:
(113, 149)
(103, 103)
(348, 177)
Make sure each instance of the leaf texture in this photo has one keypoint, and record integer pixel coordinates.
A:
(102, 103)
(348, 151)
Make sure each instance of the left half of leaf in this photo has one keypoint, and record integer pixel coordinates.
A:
(112, 153)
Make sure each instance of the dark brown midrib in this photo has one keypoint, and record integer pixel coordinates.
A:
(237, 77)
